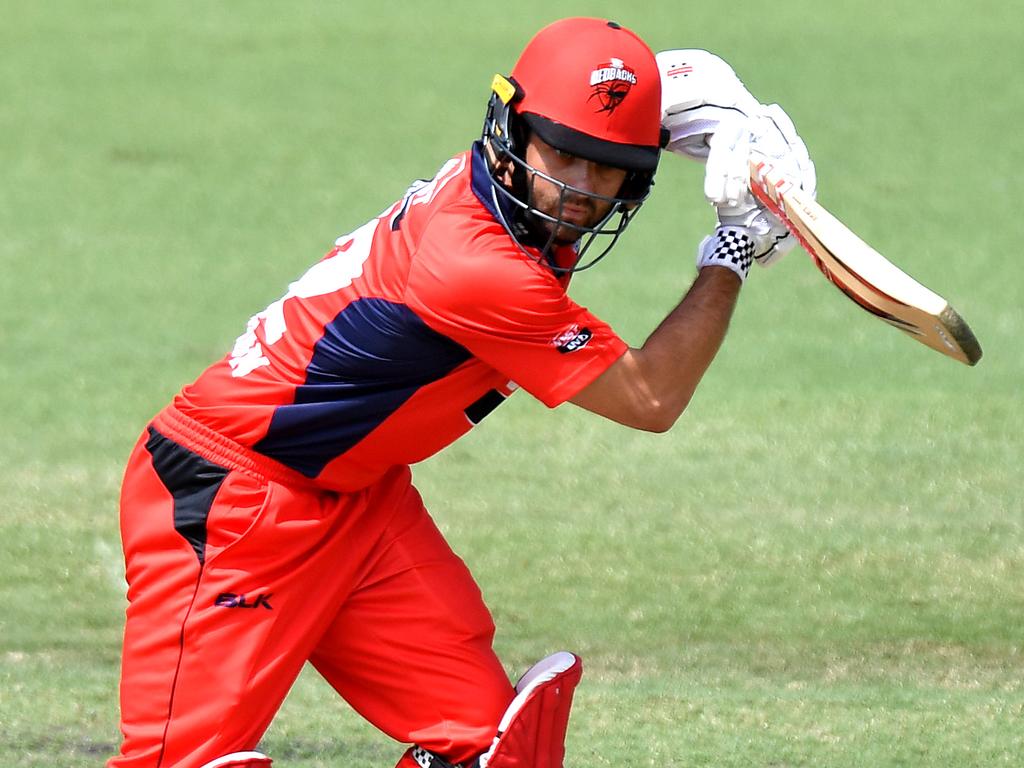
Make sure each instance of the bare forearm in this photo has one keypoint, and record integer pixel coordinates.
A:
(676, 355)
(649, 387)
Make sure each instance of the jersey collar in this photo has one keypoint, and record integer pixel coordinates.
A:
(481, 182)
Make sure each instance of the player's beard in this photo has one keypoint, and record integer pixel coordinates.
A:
(574, 213)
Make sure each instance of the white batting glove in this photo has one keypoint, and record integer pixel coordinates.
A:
(712, 117)
(698, 92)
(771, 134)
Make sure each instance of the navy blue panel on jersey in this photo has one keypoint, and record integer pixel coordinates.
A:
(372, 357)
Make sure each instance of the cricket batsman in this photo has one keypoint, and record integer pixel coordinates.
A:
(267, 513)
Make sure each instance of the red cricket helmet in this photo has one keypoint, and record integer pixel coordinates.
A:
(590, 88)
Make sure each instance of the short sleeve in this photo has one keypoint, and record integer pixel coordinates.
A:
(511, 313)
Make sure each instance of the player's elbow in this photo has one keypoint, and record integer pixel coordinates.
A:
(658, 416)
(658, 427)
(627, 394)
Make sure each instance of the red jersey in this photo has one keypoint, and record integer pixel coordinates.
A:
(407, 333)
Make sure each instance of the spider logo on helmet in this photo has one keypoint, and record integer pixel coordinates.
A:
(611, 83)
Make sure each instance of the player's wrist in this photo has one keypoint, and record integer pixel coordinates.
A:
(772, 240)
(730, 247)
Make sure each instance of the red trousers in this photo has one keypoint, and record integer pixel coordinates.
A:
(239, 573)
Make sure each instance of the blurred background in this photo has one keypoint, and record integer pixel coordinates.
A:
(819, 566)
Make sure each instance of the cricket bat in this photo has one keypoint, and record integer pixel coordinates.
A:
(866, 277)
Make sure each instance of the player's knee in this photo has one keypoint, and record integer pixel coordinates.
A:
(531, 730)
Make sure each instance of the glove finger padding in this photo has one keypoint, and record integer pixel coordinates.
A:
(769, 133)
(698, 92)
(727, 172)
(712, 117)
(691, 133)
(775, 136)
(701, 93)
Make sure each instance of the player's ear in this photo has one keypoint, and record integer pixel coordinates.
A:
(501, 163)
(520, 133)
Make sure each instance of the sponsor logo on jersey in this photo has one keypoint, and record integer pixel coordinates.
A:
(231, 600)
(611, 83)
(572, 338)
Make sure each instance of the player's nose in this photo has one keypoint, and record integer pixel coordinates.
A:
(584, 175)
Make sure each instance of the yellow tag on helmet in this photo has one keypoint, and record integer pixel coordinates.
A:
(505, 90)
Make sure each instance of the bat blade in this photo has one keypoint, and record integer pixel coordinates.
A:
(866, 277)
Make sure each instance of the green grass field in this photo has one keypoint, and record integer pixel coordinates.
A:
(821, 565)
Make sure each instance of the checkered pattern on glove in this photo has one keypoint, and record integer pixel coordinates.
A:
(427, 759)
(730, 247)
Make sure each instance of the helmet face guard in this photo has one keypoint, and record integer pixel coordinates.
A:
(588, 88)
(528, 225)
